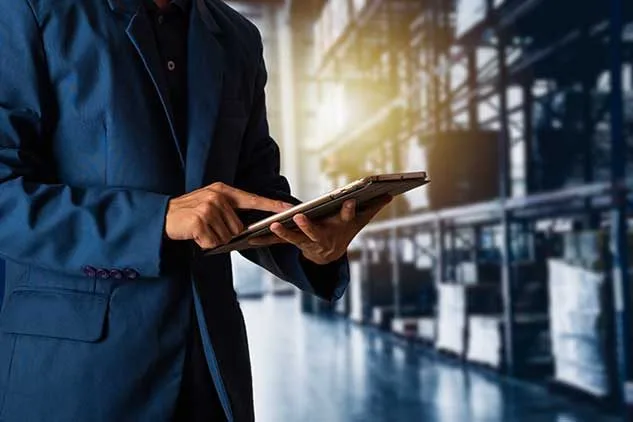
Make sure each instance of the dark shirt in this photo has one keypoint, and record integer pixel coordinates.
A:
(198, 400)
(171, 25)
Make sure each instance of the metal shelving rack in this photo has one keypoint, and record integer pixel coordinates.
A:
(423, 37)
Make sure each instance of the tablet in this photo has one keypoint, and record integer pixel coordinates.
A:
(364, 191)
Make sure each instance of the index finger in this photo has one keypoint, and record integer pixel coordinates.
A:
(250, 201)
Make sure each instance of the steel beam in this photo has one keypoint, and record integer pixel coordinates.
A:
(621, 285)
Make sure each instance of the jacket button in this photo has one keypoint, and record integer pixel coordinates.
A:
(116, 274)
(131, 273)
(103, 273)
(90, 271)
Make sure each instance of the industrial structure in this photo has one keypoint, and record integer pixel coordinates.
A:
(516, 256)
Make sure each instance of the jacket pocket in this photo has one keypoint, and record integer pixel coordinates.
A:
(58, 314)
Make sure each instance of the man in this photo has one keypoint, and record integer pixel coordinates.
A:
(133, 136)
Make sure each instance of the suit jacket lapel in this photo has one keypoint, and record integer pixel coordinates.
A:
(140, 32)
(205, 76)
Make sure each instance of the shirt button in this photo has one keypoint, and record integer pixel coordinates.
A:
(171, 65)
(161, 19)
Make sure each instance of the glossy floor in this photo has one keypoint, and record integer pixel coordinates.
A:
(313, 369)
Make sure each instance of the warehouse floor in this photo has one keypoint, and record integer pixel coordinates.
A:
(316, 369)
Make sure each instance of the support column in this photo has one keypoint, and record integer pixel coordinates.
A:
(505, 190)
(528, 135)
(621, 283)
(440, 251)
(473, 111)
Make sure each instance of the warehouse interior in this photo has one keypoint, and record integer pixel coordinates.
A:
(501, 291)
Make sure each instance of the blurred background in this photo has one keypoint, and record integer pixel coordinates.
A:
(501, 291)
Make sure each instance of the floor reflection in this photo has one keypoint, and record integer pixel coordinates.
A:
(314, 369)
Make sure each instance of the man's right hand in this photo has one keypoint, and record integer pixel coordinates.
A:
(208, 216)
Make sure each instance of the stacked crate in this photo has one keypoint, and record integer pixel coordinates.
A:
(486, 341)
(464, 166)
(405, 327)
(486, 333)
(580, 315)
(383, 316)
(427, 329)
(470, 272)
(456, 303)
(417, 298)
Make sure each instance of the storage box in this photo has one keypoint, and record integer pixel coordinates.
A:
(485, 340)
(573, 288)
(470, 299)
(474, 272)
(455, 304)
(586, 249)
(589, 380)
(426, 329)
(383, 315)
(590, 325)
(451, 336)
(580, 351)
(464, 166)
(407, 327)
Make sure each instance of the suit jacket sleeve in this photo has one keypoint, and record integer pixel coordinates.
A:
(258, 172)
(56, 226)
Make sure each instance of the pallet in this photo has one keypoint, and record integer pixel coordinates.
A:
(604, 404)
(450, 354)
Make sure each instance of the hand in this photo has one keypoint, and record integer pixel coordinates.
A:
(327, 240)
(208, 217)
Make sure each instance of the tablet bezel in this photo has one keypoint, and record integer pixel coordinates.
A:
(370, 188)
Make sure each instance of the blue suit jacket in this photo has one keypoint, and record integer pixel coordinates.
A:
(96, 309)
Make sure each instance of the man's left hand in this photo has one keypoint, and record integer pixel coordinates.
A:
(323, 241)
